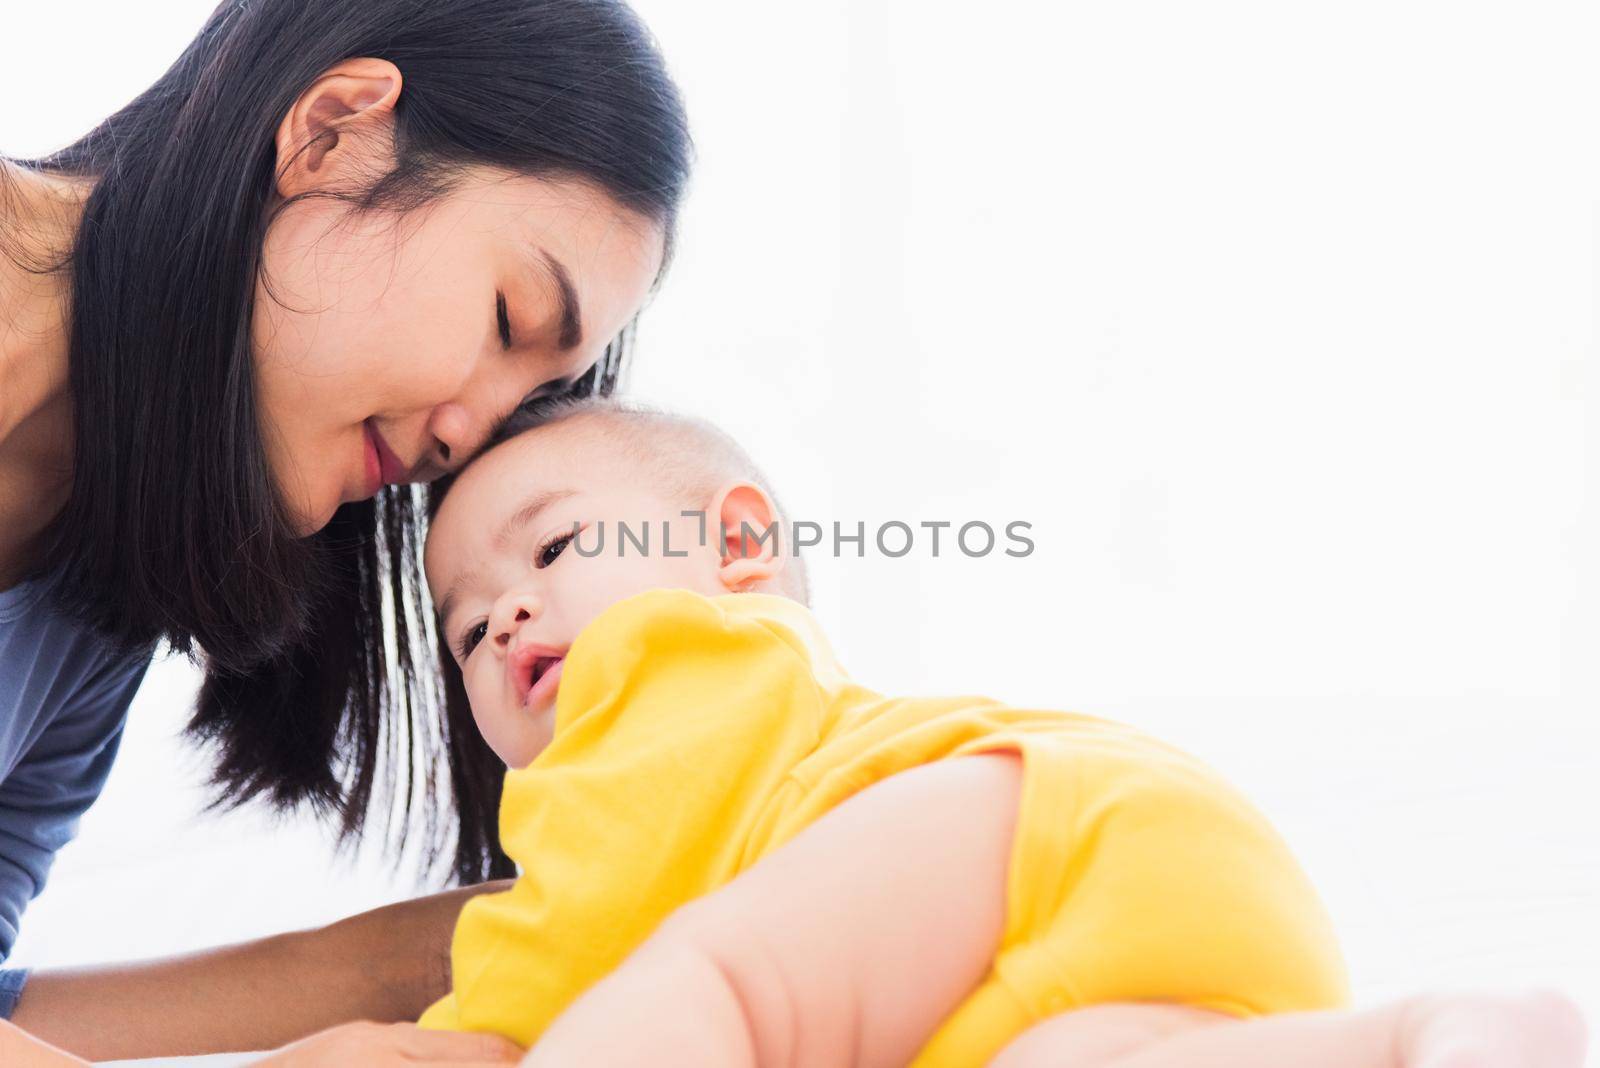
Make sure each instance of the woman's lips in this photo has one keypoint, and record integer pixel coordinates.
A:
(392, 471)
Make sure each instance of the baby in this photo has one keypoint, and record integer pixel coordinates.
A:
(732, 854)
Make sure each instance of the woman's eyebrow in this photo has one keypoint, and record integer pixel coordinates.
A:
(570, 335)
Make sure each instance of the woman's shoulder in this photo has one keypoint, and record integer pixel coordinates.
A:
(54, 668)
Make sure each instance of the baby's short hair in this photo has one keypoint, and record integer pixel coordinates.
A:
(687, 456)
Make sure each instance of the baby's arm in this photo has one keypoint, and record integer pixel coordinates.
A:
(847, 946)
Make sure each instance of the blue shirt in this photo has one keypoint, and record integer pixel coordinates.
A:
(64, 694)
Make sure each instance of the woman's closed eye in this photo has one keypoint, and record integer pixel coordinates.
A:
(502, 320)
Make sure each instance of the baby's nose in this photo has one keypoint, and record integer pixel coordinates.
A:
(516, 609)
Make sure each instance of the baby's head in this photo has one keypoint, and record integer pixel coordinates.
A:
(513, 584)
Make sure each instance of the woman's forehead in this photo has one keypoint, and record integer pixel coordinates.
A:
(591, 228)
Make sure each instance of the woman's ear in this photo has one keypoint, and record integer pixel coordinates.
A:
(341, 129)
(750, 528)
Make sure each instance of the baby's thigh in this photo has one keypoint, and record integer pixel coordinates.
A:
(1099, 1035)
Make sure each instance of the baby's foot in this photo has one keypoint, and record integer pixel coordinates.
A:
(1535, 1029)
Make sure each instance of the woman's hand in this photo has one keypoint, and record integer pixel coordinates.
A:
(378, 1044)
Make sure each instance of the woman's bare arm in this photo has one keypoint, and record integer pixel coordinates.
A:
(385, 965)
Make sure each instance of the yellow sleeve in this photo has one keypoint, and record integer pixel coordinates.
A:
(676, 721)
(1149, 878)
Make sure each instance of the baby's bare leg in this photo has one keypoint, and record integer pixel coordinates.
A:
(1535, 1030)
(1101, 1036)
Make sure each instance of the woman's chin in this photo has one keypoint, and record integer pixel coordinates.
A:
(306, 517)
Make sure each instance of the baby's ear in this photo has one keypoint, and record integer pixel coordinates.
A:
(750, 528)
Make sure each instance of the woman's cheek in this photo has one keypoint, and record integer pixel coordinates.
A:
(420, 369)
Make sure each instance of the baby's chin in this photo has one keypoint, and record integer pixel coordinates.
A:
(530, 735)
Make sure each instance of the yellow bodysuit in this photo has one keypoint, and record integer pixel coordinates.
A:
(696, 735)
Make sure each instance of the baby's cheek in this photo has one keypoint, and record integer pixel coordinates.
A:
(485, 702)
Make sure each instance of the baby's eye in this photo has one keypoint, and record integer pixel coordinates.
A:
(553, 548)
(470, 640)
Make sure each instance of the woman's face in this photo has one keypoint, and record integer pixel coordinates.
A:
(388, 347)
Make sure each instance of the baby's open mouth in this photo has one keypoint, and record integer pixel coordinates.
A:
(543, 682)
(540, 667)
(535, 671)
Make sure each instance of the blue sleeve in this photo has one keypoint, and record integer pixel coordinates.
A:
(12, 981)
(56, 780)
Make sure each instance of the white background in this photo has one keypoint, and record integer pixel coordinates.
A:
(1275, 320)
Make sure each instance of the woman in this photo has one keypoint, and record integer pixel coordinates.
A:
(327, 252)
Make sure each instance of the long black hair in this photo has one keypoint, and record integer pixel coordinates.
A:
(321, 684)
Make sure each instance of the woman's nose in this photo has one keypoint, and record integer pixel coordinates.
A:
(514, 609)
(451, 427)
